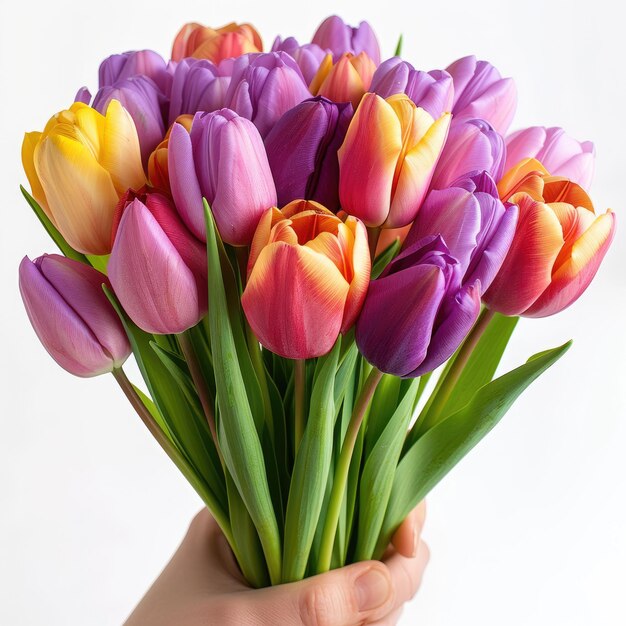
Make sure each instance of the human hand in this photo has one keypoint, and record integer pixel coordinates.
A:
(202, 586)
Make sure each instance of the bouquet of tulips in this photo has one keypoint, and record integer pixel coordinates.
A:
(290, 243)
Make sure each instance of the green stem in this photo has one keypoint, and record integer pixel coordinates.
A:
(343, 468)
(299, 401)
(173, 453)
(373, 234)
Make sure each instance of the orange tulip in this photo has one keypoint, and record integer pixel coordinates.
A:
(307, 278)
(158, 170)
(215, 44)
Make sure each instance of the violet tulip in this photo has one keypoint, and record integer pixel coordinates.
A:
(561, 154)
(433, 91)
(480, 92)
(417, 313)
(72, 315)
(223, 160)
(335, 35)
(302, 151)
(475, 225)
(145, 102)
(158, 269)
(264, 87)
(308, 56)
(472, 145)
(198, 85)
(136, 63)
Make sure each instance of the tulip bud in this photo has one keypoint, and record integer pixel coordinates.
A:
(432, 91)
(480, 92)
(335, 35)
(302, 151)
(72, 316)
(198, 85)
(307, 278)
(264, 87)
(215, 44)
(119, 67)
(472, 146)
(78, 169)
(561, 154)
(345, 81)
(141, 97)
(158, 170)
(387, 160)
(224, 161)
(157, 268)
(558, 245)
(308, 56)
(417, 313)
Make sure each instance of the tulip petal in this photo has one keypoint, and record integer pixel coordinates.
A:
(31, 140)
(360, 270)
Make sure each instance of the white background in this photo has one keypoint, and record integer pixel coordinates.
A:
(529, 530)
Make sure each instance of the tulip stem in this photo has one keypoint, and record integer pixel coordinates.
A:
(241, 252)
(299, 366)
(373, 234)
(173, 453)
(343, 468)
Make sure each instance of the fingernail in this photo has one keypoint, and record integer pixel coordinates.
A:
(372, 589)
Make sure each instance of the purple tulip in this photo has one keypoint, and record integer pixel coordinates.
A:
(474, 224)
(157, 268)
(561, 154)
(302, 151)
(136, 63)
(224, 161)
(433, 91)
(198, 85)
(335, 35)
(472, 145)
(145, 102)
(480, 92)
(72, 316)
(264, 86)
(417, 313)
(83, 95)
(308, 56)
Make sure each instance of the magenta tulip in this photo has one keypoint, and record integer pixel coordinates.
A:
(308, 56)
(335, 35)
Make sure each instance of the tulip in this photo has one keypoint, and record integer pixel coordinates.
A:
(72, 316)
(561, 154)
(308, 56)
(198, 85)
(307, 277)
(475, 225)
(387, 160)
(158, 170)
(472, 145)
(335, 35)
(433, 91)
(302, 151)
(158, 269)
(417, 313)
(141, 97)
(215, 44)
(78, 169)
(83, 95)
(119, 67)
(224, 161)
(264, 87)
(557, 248)
(480, 92)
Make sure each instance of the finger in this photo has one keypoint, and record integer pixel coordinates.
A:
(349, 596)
(390, 620)
(407, 574)
(406, 538)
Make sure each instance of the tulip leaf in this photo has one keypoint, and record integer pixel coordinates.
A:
(56, 236)
(310, 472)
(384, 258)
(438, 450)
(238, 436)
(398, 51)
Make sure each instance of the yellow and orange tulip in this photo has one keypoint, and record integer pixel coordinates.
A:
(79, 167)
(558, 245)
(387, 160)
(307, 278)
(215, 44)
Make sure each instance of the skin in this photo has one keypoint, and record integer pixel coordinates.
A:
(202, 586)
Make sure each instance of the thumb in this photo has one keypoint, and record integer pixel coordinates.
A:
(343, 597)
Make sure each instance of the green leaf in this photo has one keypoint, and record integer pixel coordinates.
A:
(438, 450)
(310, 473)
(384, 258)
(398, 51)
(238, 435)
